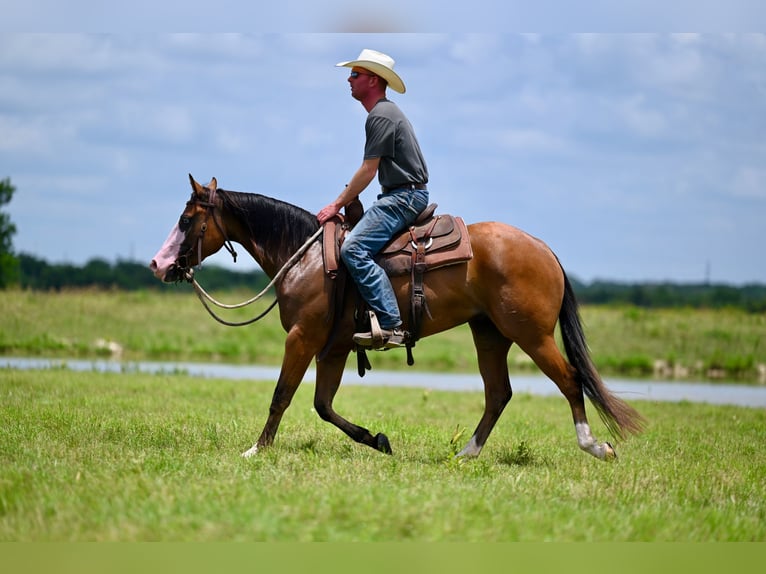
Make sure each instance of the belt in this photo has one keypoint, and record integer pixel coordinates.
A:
(410, 186)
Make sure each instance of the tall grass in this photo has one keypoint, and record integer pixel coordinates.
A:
(145, 325)
(172, 325)
(132, 457)
(720, 343)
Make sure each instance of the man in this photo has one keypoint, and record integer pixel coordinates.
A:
(392, 151)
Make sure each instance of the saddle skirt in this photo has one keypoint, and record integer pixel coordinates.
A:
(432, 242)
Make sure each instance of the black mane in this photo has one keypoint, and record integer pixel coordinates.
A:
(278, 227)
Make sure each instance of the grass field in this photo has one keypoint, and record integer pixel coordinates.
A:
(134, 457)
(129, 457)
(172, 325)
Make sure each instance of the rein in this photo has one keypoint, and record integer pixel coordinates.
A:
(202, 294)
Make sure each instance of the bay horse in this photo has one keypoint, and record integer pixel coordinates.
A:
(513, 290)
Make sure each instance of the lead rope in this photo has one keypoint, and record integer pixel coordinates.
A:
(202, 294)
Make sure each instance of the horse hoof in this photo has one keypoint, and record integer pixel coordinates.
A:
(609, 452)
(252, 451)
(382, 444)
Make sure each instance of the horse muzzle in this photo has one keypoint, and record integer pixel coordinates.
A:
(166, 273)
(166, 265)
(172, 273)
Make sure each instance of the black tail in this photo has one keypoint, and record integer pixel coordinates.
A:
(620, 418)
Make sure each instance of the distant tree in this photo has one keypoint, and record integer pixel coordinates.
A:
(9, 264)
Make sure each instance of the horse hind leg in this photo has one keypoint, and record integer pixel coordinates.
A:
(492, 352)
(550, 360)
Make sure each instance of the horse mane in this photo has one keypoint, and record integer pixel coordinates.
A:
(278, 227)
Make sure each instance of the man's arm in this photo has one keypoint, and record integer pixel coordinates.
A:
(359, 182)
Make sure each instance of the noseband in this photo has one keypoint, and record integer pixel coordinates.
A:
(183, 260)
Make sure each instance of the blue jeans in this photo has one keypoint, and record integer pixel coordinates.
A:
(390, 214)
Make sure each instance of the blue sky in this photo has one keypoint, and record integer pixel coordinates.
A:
(634, 156)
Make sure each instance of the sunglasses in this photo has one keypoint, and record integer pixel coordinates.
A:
(355, 74)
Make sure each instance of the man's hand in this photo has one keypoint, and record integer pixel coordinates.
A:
(359, 181)
(328, 213)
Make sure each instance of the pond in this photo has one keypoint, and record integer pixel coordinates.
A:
(629, 389)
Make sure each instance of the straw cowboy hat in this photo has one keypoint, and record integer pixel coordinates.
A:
(379, 64)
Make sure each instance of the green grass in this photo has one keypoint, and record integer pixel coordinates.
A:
(720, 343)
(95, 457)
(172, 325)
(130, 457)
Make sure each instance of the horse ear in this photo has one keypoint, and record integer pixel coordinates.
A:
(196, 188)
(213, 185)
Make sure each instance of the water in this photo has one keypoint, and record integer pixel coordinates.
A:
(629, 389)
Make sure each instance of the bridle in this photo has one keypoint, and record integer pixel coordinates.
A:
(182, 262)
(187, 273)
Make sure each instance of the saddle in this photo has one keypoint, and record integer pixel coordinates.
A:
(432, 242)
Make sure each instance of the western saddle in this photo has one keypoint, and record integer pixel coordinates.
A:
(432, 242)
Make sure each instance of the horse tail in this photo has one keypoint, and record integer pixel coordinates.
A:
(619, 417)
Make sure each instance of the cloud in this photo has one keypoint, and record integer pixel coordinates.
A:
(21, 136)
(57, 54)
(529, 140)
(161, 124)
(750, 183)
(640, 118)
(566, 135)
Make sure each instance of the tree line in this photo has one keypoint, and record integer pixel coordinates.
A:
(37, 274)
(750, 297)
(30, 272)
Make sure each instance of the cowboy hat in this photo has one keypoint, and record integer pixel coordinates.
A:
(379, 64)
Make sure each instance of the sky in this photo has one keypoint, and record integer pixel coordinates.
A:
(634, 156)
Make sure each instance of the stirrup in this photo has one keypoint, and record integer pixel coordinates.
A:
(379, 339)
(376, 331)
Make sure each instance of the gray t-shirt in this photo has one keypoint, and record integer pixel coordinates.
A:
(391, 138)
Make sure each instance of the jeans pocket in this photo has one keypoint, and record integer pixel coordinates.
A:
(418, 201)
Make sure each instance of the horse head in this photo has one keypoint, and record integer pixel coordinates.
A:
(192, 239)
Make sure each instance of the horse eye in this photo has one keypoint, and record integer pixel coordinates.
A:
(184, 222)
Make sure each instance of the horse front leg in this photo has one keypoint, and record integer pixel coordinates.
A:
(296, 360)
(329, 374)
